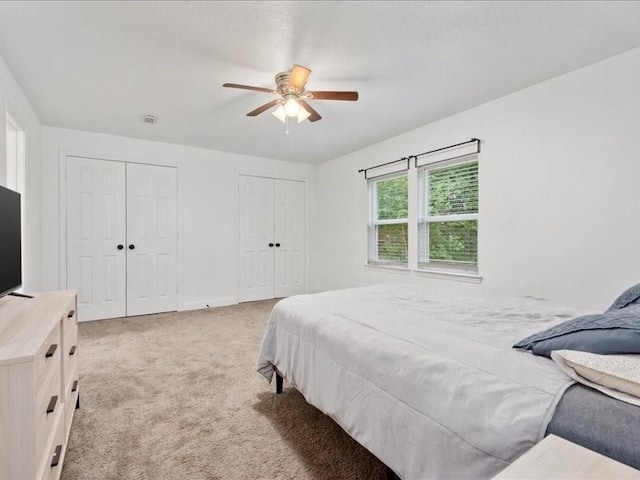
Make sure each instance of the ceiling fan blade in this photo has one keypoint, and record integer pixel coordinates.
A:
(315, 116)
(347, 96)
(298, 77)
(248, 87)
(263, 108)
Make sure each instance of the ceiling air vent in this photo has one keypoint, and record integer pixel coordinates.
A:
(150, 119)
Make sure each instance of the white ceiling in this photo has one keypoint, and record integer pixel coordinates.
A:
(101, 66)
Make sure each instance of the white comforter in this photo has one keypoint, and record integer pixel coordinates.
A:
(425, 379)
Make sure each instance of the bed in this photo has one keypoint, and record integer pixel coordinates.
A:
(427, 380)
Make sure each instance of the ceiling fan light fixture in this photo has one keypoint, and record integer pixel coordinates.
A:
(280, 114)
(291, 96)
(303, 114)
(291, 107)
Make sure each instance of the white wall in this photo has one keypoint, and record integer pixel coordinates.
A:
(559, 190)
(209, 204)
(16, 104)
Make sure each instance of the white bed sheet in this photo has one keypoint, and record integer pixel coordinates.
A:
(425, 379)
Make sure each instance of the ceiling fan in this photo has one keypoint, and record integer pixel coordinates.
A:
(292, 101)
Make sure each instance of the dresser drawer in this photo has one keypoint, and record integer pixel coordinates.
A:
(48, 411)
(48, 356)
(54, 453)
(47, 387)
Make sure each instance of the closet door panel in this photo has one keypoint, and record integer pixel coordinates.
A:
(152, 239)
(255, 233)
(290, 234)
(95, 227)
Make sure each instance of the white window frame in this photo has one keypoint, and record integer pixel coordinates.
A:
(15, 158)
(424, 219)
(14, 170)
(374, 222)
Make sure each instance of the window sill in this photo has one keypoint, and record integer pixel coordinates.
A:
(450, 275)
(388, 268)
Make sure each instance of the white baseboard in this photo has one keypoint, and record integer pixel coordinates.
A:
(217, 302)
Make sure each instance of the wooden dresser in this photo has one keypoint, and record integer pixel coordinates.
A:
(38, 383)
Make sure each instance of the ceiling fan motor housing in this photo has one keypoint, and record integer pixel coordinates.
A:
(283, 87)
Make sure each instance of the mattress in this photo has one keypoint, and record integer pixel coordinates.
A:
(425, 379)
(600, 423)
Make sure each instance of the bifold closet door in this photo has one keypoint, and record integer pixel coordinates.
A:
(255, 237)
(152, 239)
(96, 256)
(272, 238)
(121, 237)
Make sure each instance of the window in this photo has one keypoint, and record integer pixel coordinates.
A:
(15, 156)
(388, 220)
(448, 217)
(15, 166)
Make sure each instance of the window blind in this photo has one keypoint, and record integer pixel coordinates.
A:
(448, 217)
(388, 239)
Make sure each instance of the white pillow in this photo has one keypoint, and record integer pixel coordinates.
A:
(615, 375)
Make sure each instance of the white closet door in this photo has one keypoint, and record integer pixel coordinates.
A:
(255, 196)
(290, 235)
(152, 244)
(95, 229)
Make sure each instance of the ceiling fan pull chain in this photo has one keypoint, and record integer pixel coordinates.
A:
(287, 126)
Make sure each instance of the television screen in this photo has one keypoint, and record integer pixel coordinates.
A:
(10, 244)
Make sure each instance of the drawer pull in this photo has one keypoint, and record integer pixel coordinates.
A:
(51, 350)
(74, 387)
(52, 404)
(71, 313)
(73, 350)
(56, 456)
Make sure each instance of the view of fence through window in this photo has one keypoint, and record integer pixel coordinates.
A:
(392, 231)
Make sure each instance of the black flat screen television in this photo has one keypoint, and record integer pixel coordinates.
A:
(10, 242)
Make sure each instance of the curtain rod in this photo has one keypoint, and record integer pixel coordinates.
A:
(447, 148)
(408, 159)
(473, 140)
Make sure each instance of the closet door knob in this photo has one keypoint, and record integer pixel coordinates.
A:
(277, 244)
(132, 246)
(271, 245)
(120, 247)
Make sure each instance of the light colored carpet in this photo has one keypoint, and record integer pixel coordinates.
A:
(176, 396)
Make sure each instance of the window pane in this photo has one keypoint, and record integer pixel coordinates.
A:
(393, 243)
(392, 198)
(453, 242)
(454, 190)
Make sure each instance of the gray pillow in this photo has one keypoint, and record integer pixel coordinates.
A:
(615, 332)
(631, 296)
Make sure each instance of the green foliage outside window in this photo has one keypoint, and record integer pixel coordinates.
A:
(454, 242)
(393, 201)
(453, 191)
(393, 239)
(393, 243)
(449, 191)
